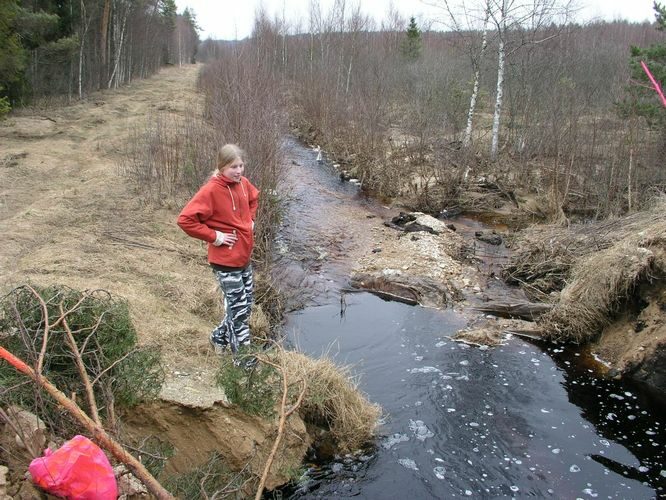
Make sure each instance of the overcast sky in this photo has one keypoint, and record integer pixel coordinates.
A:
(232, 19)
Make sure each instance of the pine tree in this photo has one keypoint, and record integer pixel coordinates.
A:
(13, 56)
(411, 45)
(642, 100)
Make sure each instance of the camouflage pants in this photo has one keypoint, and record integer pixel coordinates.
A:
(237, 287)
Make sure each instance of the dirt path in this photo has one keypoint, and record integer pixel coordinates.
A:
(68, 216)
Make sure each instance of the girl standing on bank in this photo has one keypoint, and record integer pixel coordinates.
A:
(222, 213)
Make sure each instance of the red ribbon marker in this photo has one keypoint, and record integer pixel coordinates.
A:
(655, 84)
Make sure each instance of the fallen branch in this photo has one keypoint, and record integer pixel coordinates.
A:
(97, 431)
(284, 415)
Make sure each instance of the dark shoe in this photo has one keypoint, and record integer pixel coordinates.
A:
(218, 348)
(247, 363)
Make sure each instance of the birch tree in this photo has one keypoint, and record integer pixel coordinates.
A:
(526, 20)
(509, 25)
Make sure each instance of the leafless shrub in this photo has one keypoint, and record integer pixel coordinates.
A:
(85, 342)
(244, 104)
(171, 157)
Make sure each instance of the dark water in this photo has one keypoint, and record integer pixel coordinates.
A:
(514, 421)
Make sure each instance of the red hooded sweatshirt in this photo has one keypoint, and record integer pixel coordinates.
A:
(223, 205)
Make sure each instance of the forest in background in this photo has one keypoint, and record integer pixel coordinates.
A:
(69, 48)
(563, 109)
(510, 90)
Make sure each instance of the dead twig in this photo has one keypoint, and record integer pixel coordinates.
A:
(45, 315)
(98, 432)
(90, 395)
(285, 413)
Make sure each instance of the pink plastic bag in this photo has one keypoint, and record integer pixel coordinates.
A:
(78, 470)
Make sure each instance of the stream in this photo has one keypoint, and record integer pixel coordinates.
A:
(521, 419)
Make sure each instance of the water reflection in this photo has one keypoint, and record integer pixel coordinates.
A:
(464, 421)
(622, 412)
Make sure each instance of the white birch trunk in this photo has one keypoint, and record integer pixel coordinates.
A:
(501, 56)
(85, 22)
(119, 47)
(180, 48)
(467, 139)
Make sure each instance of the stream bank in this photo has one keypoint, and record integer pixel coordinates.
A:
(518, 419)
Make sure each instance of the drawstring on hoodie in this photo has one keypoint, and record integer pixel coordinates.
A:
(233, 203)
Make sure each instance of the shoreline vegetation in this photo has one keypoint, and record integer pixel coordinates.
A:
(416, 116)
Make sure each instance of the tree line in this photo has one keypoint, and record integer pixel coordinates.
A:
(511, 86)
(72, 47)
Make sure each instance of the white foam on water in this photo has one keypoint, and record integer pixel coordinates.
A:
(391, 441)
(420, 430)
(439, 472)
(425, 369)
(408, 463)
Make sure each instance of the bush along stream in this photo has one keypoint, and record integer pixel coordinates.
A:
(521, 418)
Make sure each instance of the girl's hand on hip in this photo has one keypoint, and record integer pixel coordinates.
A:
(225, 239)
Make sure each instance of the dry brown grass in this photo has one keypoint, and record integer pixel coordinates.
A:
(333, 398)
(479, 337)
(600, 282)
(545, 255)
(259, 325)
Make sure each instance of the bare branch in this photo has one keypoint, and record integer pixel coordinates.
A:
(83, 373)
(98, 432)
(45, 315)
(284, 415)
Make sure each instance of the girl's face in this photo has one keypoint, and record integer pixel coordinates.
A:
(233, 170)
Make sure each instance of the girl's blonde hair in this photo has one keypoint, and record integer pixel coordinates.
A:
(228, 153)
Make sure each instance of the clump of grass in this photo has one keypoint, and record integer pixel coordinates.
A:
(334, 400)
(212, 480)
(600, 283)
(602, 279)
(260, 325)
(545, 256)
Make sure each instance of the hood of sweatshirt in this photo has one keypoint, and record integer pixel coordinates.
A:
(224, 181)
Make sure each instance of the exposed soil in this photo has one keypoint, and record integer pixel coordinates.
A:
(635, 343)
